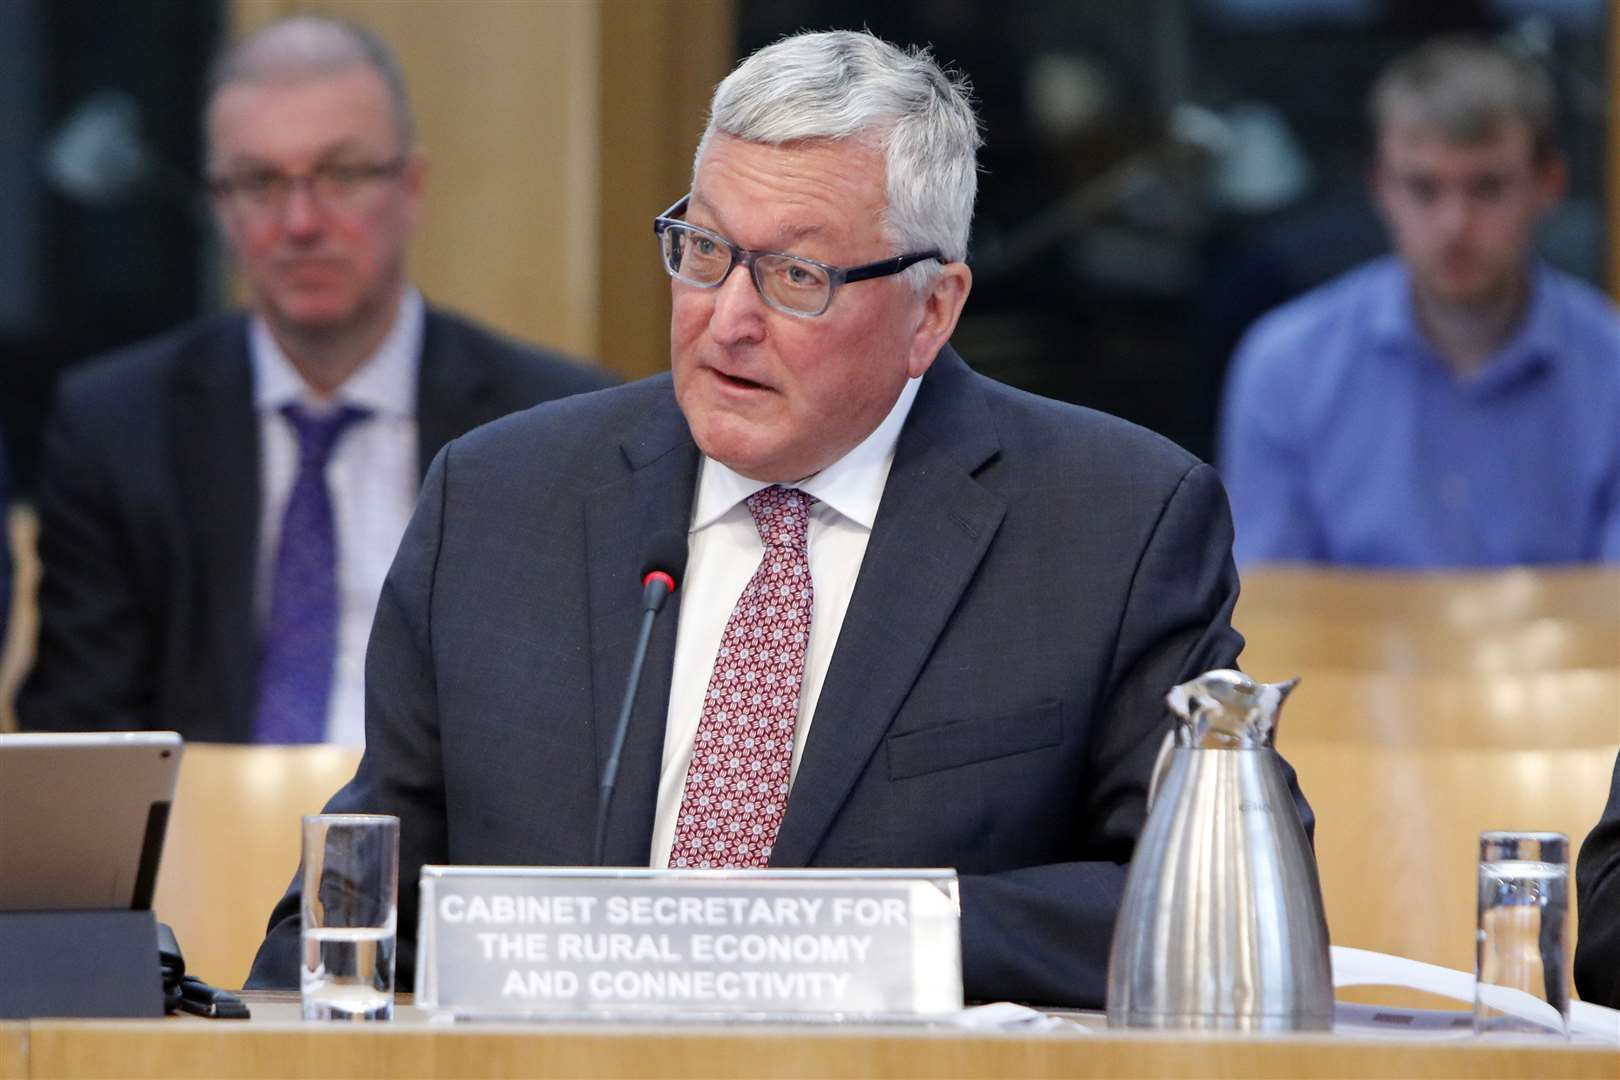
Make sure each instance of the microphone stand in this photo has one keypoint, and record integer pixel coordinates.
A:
(656, 587)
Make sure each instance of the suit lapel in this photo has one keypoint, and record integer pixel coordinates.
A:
(932, 529)
(216, 440)
(619, 518)
(451, 381)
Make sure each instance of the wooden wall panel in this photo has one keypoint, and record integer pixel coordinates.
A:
(659, 65)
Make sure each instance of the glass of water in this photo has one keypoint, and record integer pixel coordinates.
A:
(350, 910)
(1521, 969)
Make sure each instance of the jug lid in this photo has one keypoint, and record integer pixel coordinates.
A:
(1227, 710)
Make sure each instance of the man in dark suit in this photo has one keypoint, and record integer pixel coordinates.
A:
(1597, 892)
(219, 505)
(939, 615)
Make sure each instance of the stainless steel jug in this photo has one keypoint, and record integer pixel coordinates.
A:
(1221, 926)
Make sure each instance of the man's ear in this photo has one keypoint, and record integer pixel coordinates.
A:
(941, 308)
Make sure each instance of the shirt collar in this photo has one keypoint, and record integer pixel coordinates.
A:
(852, 485)
(1394, 316)
(1537, 338)
(384, 384)
(1534, 344)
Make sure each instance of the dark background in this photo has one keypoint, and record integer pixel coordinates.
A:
(1116, 260)
(1156, 174)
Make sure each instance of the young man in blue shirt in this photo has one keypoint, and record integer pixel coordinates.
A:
(1453, 404)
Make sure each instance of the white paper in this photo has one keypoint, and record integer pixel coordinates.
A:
(1007, 1016)
(1362, 967)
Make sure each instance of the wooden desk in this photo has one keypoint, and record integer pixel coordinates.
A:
(179, 1049)
(13, 1050)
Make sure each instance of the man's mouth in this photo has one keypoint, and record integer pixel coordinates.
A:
(310, 265)
(738, 381)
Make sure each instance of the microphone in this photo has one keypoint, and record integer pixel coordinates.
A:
(662, 565)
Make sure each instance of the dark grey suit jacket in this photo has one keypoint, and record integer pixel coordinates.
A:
(1038, 576)
(1597, 892)
(149, 518)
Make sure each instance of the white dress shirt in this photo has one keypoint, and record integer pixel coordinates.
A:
(724, 550)
(372, 476)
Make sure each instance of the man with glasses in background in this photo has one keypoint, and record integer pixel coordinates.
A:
(220, 505)
(926, 620)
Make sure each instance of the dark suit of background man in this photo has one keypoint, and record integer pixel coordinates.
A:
(220, 505)
(1001, 589)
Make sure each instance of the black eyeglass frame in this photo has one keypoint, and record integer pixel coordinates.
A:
(836, 275)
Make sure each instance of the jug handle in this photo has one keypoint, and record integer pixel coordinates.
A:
(1161, 765)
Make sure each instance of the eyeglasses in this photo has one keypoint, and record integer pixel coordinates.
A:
(334, 186)
(791, 284)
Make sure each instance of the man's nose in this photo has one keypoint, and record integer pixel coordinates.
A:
(301, 213)
(739, 310)
(1454, 212)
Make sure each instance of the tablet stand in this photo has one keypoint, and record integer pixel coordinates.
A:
(79, 964)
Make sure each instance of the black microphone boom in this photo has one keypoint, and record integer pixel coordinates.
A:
(661, 571)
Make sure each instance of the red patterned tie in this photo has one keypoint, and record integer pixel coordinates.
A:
(737, 784)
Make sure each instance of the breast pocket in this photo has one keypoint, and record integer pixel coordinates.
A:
(968, 742)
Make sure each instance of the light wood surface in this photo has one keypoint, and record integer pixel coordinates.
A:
(1278, 644)
(1431, 708)
(233, 843)
(178, 1050)
(660, 61)
(13, 1050)
(1549, 710)
(1405, 773)
(1457, 600)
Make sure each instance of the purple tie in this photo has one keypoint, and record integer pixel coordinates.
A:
(300, 637)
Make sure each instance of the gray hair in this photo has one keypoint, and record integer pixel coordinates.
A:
(852, 85)
(310, 46)
(1463, 89)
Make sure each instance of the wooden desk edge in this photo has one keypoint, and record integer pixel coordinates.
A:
(136, 1049)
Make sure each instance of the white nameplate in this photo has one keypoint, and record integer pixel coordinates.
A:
(499, 941)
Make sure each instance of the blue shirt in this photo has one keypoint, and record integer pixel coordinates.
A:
(1346, 439)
